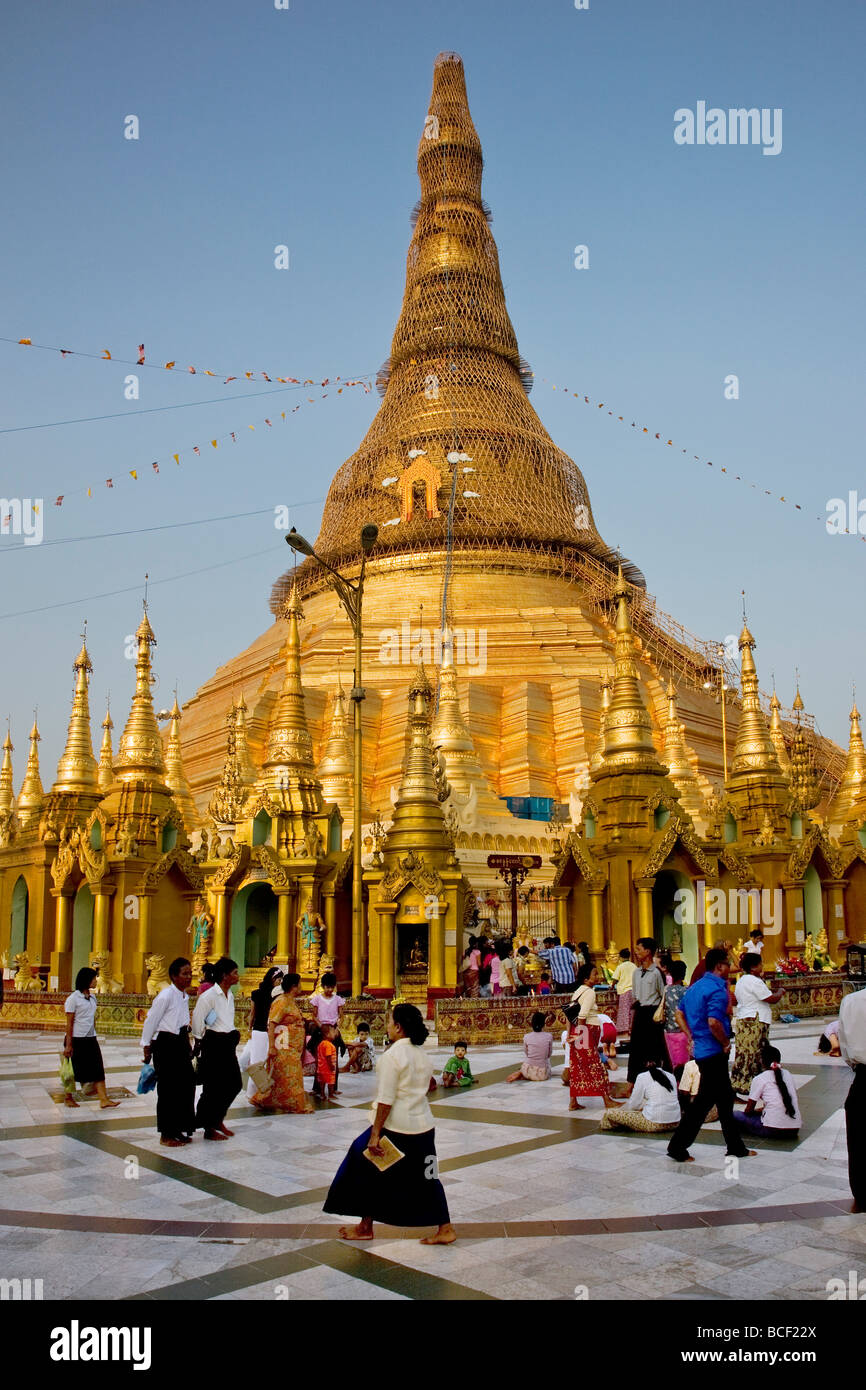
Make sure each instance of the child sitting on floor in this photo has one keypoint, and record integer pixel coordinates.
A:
(607, 1042)
(457, 1070)
(362, 1053)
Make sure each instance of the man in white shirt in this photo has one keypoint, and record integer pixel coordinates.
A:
(213, 1027)
(165, 1040)
(852, 1041)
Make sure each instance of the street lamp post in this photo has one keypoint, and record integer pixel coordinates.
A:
(351, 597)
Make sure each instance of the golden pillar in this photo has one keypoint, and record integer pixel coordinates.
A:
(221, 921)
(436, 949)
(60, 959)
(645, 906)
(101, 905)
(562, 916)
(386, 912)
(284, 926)
(596, 920)
(330, 924)
(795, 916)
(145, 928)
(835, 914)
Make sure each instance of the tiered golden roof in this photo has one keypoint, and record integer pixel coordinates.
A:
(455, 410)
(139, 753)
(77, 770)
(226, 806)
(31, 797)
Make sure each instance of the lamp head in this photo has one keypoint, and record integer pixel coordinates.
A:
(369, 536)
(297, 542)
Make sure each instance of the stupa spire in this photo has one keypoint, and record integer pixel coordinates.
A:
(450, 736)
(598, 756)
(419, 821)
(288, 766)
(106, 754)
(246, 766)
(680, 769)
(77, 770)
(139, 753)
(31, 798)
(7, 795)
(849, 804)
(628, 743)
(226, 806)
(336, 766)
(777, 734)
(455, 414)
(175, 776)
(754, 752)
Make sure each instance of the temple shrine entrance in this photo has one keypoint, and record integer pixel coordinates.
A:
(412, 962)
(82, 929)
(681, 938)
(254, 925)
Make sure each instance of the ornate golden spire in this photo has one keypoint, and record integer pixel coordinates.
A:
(31, 798)
(246, 767)
(778, 736)
(455, 387)
(336, 766)
(288, 766)
(680, 769)
(598, 756)
(139, 753)
(754, 753)
(628, 744)
(804, 782)
(77, 770)
(849, 803)
(175, 776)
(226, 806)
(7, 797)
(106, 754)
(419, 821)
(450, 736)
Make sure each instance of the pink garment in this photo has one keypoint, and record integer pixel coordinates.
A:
(538, 1047)
(326, 1010)
(496, 974)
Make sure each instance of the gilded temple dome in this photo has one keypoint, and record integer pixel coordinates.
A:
(456, 455)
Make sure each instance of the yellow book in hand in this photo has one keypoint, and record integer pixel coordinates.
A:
(387, 1159)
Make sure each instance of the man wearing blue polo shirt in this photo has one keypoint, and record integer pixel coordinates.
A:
(704, 1016)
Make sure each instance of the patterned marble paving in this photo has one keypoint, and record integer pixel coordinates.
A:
(546, 1206)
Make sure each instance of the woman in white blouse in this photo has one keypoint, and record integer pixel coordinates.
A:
(653, 1104)
(407, 1192)
(752, 1019)
(80, 1042)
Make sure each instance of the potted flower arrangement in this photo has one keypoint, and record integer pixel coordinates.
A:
(791, 966)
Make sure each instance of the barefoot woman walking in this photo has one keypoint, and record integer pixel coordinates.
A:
(408, 1193)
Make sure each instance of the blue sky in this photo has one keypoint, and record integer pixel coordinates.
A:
(261, 127)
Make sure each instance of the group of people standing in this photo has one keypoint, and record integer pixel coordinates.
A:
(493, 969)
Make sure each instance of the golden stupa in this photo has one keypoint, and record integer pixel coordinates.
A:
(486, 527)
